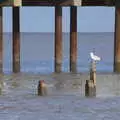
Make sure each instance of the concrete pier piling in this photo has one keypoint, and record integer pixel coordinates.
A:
(117, 41)
(16, 39)
(1, 39)
(73, 39)
(58, 39)
(90, 86)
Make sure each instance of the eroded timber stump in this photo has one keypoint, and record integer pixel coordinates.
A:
(42, 88)
(90, 88)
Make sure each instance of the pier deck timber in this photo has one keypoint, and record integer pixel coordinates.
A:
(58, 4)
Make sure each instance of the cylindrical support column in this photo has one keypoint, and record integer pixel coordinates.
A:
(16, 39)
(58, 38)
(117, 41)
(1, 40)
(73, 39)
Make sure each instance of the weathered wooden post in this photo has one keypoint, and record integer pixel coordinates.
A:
(73, 39)
(93, 72)
(117, 40)
(58, 38)
(16, 39)
(1, 40)
(42, 88)
(90, 86)
(1, 86)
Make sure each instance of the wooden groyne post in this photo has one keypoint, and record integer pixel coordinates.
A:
(42, 88)
(93, 72)
(90, 86)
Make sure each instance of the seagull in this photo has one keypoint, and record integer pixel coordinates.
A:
(94, 57)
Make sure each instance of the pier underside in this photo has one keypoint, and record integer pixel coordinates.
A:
(67, 3)
(59, 2)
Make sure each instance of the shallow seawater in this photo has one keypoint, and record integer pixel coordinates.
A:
(65, 99)
(40, 59)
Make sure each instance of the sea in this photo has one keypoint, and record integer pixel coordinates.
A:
(37, 52)
(65, 99)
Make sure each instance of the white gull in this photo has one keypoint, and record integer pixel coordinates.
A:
(94, 57)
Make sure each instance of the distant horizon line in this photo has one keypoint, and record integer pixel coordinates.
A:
(62, 32)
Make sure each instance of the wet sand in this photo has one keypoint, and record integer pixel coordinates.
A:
(65, 100)
(107, 83)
